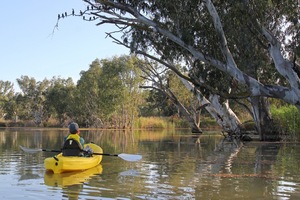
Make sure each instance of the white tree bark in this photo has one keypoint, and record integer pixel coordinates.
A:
(222, 113)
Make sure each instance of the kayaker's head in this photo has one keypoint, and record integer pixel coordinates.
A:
(74, 128)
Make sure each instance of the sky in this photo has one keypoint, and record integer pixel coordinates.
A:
(31, 46)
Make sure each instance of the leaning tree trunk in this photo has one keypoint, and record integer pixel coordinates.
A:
(226, 117)
(188, 116)
(266, 128)
(221, 112)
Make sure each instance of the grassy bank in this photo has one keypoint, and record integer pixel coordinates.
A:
(171, 122)
(160, 123)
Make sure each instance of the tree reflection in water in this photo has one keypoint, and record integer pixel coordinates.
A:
(174, 166)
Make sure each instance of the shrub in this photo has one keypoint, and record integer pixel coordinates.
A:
(287, 117)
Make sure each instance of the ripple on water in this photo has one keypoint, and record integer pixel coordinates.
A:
(285, 189)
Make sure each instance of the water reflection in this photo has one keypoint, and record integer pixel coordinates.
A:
(130, 172)
(174, 166)
(71, 178)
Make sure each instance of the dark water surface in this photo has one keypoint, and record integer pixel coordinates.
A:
(173, 167)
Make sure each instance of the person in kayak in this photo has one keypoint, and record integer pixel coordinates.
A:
(74, 134)
(74, 143)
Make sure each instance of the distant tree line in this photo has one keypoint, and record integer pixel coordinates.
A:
(109, 94)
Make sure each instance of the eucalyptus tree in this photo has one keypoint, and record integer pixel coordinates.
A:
(121, 95)
(109, 93)
(60, 99)
(208, 38)
(6, 95)
(14, 108)
(33, 99)
(87, 108)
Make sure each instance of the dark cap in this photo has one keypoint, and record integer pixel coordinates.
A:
(73, 128)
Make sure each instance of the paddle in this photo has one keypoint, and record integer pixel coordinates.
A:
(124, 156)
(28, 150)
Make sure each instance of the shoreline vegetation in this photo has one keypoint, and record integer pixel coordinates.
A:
(285, 117)
(144, 123)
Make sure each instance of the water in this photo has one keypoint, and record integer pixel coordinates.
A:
(173, 167)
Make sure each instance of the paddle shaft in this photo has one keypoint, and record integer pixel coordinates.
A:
(58, 151)
(105, 154)
(51, 150)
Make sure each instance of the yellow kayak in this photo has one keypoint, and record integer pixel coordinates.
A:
(60, 164)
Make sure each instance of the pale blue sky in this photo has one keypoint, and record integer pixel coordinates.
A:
(28, 46)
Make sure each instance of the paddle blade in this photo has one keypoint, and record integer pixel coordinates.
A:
(28, 150)
(130, 157)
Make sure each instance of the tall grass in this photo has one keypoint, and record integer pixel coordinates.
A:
(151, 123)
(160, 123)
(287, 117)
(171, 123)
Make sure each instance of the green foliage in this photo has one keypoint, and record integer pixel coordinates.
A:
(86, 106)
(112, 86)
(33, 98)
(287, 117)
(160, 104)
(6, 94)
(108, 93)
(157, 104)
(59, 98)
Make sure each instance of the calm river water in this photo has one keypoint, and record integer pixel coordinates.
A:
(173, 167)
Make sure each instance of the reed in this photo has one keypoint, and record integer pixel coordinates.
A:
(288, 117)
